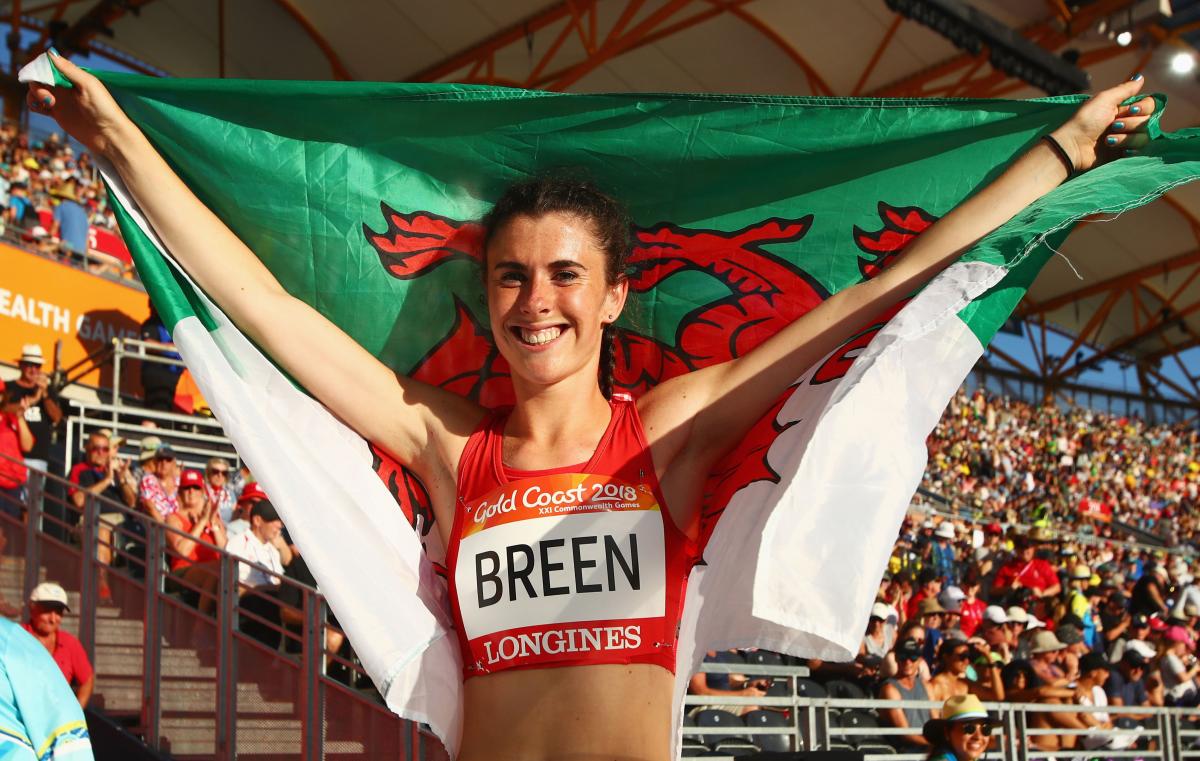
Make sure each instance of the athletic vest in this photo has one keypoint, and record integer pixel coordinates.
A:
(570, 566)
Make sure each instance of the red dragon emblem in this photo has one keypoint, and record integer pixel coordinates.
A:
(766, 292)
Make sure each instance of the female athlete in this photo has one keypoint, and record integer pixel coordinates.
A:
(593, 596)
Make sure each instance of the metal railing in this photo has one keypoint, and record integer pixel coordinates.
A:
(194, 439)
(815, 724)
(270, 684)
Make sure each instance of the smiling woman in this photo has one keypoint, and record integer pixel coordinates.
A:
(962, 733)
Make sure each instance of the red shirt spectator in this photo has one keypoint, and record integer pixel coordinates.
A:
(1034, 573)
(46, 607)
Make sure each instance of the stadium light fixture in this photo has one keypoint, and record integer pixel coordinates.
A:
(1183, 62)
(971, 30)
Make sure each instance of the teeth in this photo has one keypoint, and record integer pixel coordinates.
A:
(538, 337)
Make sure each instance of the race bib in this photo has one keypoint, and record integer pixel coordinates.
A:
(542, 553)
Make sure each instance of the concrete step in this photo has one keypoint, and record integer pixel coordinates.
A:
(128, 660)
(124, 695)
(277, 738)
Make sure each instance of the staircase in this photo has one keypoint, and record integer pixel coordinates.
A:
(269, 720)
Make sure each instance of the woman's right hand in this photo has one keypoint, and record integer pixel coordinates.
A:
(87, 111)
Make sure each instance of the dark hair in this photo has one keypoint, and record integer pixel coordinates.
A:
(611, 230)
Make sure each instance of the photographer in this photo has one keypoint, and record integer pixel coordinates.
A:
(42, 411)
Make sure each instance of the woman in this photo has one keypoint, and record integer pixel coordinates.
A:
(962, 733)
(554, 274)
(879, 637)
(216, 477)
(1179, 667)
(197, 525)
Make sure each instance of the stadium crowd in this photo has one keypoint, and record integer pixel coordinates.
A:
(1025, 593)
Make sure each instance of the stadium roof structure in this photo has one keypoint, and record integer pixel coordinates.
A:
(1126, 289)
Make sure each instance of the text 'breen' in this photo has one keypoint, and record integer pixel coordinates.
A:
(546, 564)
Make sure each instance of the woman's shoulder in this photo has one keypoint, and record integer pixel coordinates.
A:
(943, 755)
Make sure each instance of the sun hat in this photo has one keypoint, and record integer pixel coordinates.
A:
(957, 709)
(49, 592)
(1144, 649)
(1040, 534)
(951, 599)
(995, 614)
(150, 445)
(930, 607)
(1044, 641)
(881, 611)
(1017, 614)
(1179, 634)
(31, 354)
(945, 530)
(909, 650)
(1081, 573)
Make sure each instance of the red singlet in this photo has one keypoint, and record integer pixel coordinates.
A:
(570, 566)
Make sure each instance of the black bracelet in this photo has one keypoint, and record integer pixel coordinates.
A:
(1062, 155)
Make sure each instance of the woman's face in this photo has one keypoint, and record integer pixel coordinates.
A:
(969, 739)
(549, 297)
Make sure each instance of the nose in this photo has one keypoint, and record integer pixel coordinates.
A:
(536, 296)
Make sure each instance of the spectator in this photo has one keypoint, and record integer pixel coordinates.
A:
(259, 590)
(971, 608)
(158, 493)
(931, 585)
(1027, 571)
(1094, 672)
(1126, 684)
(15, 441)
(944, 563)
(878, 639)
(159, 379)
(907, 685)
(197, 525)
(70, 220)
(995, 632)
(1046, 654)
(1179, 667)
(1149, 596)
(216, 477)
(47, 603)
(42, 411)
(1079, 602)
(962, 734)
(726, 685)
(36, 709)
(103, 474)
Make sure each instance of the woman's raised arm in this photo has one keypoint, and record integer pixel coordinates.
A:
(693, 419)
(415, 421)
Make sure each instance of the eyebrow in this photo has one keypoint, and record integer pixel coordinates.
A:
(508, 264)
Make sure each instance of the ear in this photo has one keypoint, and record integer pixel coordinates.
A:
(614, 300)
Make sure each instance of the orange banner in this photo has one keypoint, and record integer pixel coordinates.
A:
(44, 302)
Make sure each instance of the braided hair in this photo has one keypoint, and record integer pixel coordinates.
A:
(611, 230)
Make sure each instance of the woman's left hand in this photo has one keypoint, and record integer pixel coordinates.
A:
(1103, 129)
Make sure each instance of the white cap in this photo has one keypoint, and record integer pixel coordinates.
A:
(1034, 623)
(881, 611)
(1018, 614)
(995, 614)
(32, 353)
(1142, 648)
(48, 591)
(945, 530)
(928, 523)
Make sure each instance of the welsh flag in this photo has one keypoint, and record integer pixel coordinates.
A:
(362, 199)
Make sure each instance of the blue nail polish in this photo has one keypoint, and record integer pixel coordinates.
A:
(1118, 125)
(1135, 110)
(1111, 140)
(45, 103)
(54, 52)
(1135, 77)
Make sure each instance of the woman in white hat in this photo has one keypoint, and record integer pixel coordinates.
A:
(963, 732)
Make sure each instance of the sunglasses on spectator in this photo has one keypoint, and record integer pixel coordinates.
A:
(976, 728)
(910, 657)
(99, 449)
(961, 655)
(219, 472)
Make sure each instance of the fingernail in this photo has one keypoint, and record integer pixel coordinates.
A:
(45, 103)
(1135, 77)
(1118, 125)
(1110, 140)
(54, 52)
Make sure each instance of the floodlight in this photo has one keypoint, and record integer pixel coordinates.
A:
(1183, 63)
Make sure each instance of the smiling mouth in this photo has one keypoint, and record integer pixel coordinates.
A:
(537, 337)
